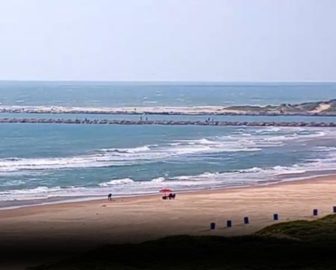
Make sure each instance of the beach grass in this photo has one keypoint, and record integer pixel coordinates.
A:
(291, 245)
(323, 230)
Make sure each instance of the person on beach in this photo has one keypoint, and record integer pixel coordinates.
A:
(109, 197)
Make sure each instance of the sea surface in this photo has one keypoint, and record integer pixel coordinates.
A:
(42, 163)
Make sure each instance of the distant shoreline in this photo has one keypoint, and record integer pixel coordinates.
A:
(320, 108)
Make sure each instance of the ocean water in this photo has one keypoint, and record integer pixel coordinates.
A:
(104, 94)
(44, 163)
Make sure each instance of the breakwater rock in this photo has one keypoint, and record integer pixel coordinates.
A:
(165, 122)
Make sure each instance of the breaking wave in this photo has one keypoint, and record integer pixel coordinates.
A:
(206, 180)
(123, 181)
(241, 141)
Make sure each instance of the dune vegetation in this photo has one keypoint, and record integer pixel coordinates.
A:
(291, 245)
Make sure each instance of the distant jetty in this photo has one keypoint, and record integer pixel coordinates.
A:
(320, 108)
(166, 122)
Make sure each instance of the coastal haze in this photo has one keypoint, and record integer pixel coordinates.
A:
(148, 40)
(142, 128)
(71, 162)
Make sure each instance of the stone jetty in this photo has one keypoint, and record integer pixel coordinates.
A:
(165, 122)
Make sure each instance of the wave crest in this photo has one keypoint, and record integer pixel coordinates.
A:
(234, 142)
(123, 181)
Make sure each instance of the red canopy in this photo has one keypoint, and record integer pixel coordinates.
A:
(165, 190)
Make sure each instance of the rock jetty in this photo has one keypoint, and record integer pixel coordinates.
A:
(165, 122)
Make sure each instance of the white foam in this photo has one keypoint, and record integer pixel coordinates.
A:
(151, 153)
(128, 186)
(158, 180)
(254, 169)
(173, 149)
(123, 181)
(117, 157)
(279, 170)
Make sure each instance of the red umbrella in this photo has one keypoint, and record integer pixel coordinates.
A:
(166, 190)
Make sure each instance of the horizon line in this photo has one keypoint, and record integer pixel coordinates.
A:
(167, 82)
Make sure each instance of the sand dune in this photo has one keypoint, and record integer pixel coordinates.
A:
(309, 108)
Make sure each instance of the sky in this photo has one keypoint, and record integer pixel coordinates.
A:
(168, 40)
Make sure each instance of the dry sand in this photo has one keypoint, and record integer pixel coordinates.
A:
(185, 110)
(84, 225)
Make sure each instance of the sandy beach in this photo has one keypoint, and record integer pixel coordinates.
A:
(167, 135)
(83, 225)
(320, 108)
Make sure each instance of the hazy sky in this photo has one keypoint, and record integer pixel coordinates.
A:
(188, 40)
